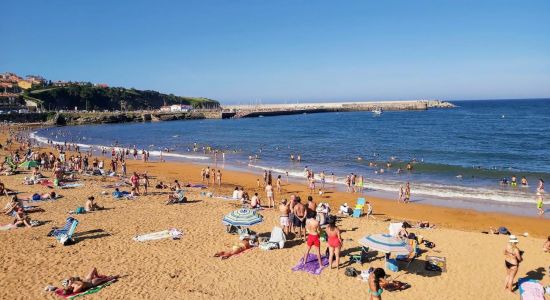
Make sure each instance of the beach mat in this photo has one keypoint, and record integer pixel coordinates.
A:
(71, 185)
(312, 265)
(59, 292)
(165, 234)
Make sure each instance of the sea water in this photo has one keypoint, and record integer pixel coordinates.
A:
(459, 155)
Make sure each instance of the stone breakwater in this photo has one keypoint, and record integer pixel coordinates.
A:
(247, 111)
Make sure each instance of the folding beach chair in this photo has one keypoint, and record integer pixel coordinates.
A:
(362, 257)
(358, 210)
(65, 234)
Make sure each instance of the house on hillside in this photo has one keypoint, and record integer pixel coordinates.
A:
(9, 101)
(24, 84)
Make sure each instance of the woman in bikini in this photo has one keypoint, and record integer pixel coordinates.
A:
(236, 248)
(512, 258)
(76, 285)
(376, 281)
(334, 240)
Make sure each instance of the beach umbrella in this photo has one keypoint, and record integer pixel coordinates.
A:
(385, 243)
(242, 218)
(29, 164)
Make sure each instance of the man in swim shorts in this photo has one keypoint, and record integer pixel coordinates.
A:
(299, 216)
(284, 210)
(312, 230)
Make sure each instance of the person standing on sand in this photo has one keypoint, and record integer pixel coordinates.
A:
(299, 211)
(401, 194)
(335, 242)
(135, 182)
(312, 230)
(311, 185)
(284, 210)
(512, 259)
(291, 215)
(407, 193)
(123, 167)
(540, 204)
(279, 184)
(269, 194)
(219, 177)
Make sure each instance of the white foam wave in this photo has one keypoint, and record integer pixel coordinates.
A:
(34, 135)
(432, 190)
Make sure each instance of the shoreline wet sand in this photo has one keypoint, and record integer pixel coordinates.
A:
(186, 269)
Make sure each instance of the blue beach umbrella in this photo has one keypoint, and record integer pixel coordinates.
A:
(242, 217)
(385, 243)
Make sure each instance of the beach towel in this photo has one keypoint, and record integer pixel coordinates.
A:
(198, 185)
(47, 183)
(172, 233)
(312, 265)
(70, 185)
(59, 292)
(225, 198)
(7, 227)
(530, 289)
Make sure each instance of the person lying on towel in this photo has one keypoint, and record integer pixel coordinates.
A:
(74, 285)
(246, 243)
(37, 197)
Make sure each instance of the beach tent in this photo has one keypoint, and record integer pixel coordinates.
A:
(29, 164)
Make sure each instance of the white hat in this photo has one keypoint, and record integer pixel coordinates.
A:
(513, 239)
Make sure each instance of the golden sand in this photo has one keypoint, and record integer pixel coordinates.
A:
(185, 269)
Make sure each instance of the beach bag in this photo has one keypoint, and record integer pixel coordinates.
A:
(351, 272)
(36, 197)
(80, 210)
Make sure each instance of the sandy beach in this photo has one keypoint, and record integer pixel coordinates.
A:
(186, 268)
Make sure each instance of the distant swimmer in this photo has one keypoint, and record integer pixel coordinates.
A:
(409, 167)
(504, 181)
(291, 157)
(514, 181)
(524, 182)
(299, 157)
(359, 158)
(388, 164)
(459, 176)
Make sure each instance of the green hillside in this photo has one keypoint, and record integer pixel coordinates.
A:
(90, 97)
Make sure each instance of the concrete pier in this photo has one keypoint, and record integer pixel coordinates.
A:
(248, 111)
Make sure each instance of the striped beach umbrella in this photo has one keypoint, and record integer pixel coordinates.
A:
(242, 217)
(385, 243)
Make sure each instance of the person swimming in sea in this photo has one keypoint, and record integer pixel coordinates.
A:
(524, 182)
(514, 181)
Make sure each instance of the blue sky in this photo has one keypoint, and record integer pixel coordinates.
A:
(250, 51)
